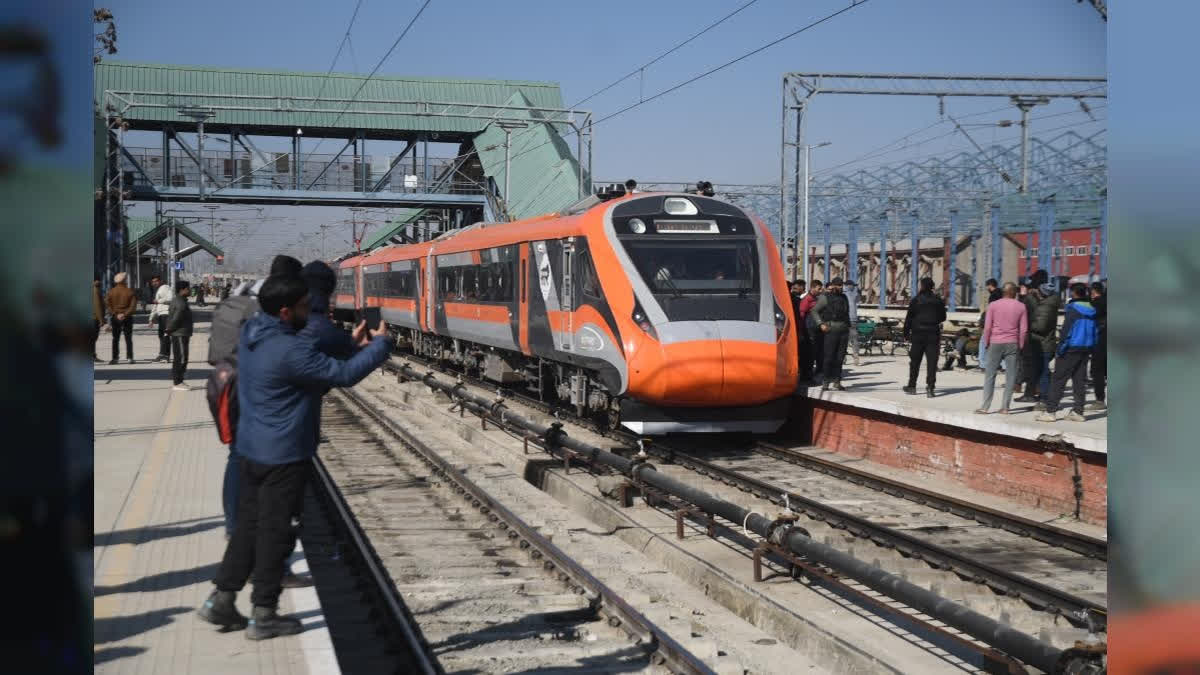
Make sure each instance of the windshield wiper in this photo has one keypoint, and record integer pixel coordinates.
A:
(665, 279)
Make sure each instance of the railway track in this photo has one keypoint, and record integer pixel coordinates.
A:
(486, 591)
(957, 550)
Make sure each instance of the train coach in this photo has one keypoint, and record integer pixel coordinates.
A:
(659, 312)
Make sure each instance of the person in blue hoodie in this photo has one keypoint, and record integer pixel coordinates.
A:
(278, 373)
(1075, 343)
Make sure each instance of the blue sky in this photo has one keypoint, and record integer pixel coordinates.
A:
(724, 128)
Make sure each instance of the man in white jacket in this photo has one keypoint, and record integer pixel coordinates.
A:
(158, 316)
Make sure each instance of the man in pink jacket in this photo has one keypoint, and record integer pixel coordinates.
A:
(1004, 332)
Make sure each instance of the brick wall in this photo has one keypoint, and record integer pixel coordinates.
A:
(1029, 472)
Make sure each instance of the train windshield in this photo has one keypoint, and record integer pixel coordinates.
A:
(700, 280)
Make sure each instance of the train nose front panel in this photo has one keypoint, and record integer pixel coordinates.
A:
(750, 363)
(693, 367)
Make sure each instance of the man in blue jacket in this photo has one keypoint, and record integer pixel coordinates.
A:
(1075, 344)
(278, 373)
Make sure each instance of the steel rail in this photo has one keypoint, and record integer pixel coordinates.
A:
(379, 576)
(1017, 644)
(1048, 534)
(604, 600)
(1077, 610)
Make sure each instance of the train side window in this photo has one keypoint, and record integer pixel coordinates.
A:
(585, 277)
(502, 286)
(470, 287)
(448, 283)
(523, 282)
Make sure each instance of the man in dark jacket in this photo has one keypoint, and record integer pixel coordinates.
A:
(277, 373)
(321, 280)
(803, 348)
(923, 330)
(832, 312)
(97, 316)
(1100, 351)
(816, 338)
(179, 328)
(1043, 331)
(1078, 340)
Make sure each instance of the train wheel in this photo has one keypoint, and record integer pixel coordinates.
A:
(612, 419)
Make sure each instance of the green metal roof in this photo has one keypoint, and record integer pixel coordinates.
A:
(173, 87)
(143, 234)
(545, 173)
(403, 218)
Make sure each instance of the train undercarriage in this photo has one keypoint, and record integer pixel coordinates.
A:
(547, 380)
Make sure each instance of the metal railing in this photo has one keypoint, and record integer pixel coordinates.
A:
(247, 171)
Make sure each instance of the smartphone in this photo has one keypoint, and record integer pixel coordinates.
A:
(372, 316)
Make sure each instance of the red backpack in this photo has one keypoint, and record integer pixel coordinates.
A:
(222, 399)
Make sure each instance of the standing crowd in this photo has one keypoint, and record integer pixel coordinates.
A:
(1019, 335)
(275, 353)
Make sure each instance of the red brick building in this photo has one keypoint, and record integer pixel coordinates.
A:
(1072, 249)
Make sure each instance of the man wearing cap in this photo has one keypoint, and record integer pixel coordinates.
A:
(121, 304)
(833, 314)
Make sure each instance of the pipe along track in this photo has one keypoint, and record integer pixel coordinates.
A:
(602, 601)
(1043, 532)
(1078, 611)
(782, 536)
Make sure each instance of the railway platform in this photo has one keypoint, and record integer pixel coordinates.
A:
(160, 530)
(1013, 456)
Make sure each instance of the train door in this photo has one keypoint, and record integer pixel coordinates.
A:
(419, 287)
(431, 290)
(359, 294)
(567, 291)
(523, 299)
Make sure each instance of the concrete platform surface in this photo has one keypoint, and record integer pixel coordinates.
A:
(160, 531)
(877, 384)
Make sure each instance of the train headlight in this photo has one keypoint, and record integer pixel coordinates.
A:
(643, 322)
(678, 206)
(780, 323)
(637, 226)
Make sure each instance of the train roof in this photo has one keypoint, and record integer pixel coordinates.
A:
(573, 221)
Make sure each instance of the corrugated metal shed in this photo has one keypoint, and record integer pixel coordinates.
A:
(220, 88)
(403, 218)
(138, 227)
(545, 173)
(143, 234)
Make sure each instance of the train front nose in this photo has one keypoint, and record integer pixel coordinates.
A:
(711, 363)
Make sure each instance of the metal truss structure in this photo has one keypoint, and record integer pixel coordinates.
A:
(253, 177)
(1061, 180)
(914, 209)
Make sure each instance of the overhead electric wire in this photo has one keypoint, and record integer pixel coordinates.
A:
(336, 56)
(711, 71)
(375, 70)
(360, 86)
(663, 55)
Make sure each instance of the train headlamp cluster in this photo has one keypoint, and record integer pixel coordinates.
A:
(678, 206)
(637, 226)
(780, 323)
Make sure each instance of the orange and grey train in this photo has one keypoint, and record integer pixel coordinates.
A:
(659, 312)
